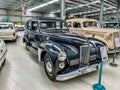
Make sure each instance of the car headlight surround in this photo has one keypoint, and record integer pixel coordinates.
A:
(62, 56)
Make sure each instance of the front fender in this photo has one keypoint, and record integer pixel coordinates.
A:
(52, 49)
(98, 43)
(101, 40)
(49, 47)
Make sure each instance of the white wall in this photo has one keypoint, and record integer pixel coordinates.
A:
(15, 16)
(3, 14)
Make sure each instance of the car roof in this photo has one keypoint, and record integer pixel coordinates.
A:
(81, 19)
(47, 19)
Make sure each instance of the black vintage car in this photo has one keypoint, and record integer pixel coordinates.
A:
(65, 55)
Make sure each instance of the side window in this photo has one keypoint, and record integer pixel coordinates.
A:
(34, 25)
(28, 25)
(69, 24)
(76, 25)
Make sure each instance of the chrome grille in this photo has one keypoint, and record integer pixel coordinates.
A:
(84, 55)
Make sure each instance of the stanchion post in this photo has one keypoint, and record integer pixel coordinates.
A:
(113, 64)
(99, 86)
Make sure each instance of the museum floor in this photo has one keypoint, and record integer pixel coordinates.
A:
(23, 72)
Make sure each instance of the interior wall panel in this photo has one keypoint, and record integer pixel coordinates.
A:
(15, 16)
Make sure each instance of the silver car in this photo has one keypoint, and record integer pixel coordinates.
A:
(3, 51)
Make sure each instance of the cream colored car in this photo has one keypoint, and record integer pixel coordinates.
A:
(91, 28)
(7, 31)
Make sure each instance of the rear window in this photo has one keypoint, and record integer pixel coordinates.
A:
(6, 26)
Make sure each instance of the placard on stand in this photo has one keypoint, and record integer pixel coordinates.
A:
(104, 55)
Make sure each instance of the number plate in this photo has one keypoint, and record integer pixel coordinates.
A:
(104, 53)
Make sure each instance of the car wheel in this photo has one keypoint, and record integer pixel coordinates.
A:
(49, 69)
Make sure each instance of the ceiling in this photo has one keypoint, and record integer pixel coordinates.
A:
(73, 7)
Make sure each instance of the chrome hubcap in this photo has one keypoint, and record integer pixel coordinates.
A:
(49, 66)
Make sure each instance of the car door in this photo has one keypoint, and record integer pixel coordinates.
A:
(34, 35)
(37, 34)
(28, 33)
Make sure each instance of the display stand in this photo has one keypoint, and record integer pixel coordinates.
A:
(117, 44)
(113, 64)
(99, 86)
(104, 56)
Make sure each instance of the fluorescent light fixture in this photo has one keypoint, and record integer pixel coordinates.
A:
(81, 5)
(43, 5)
(105, 9)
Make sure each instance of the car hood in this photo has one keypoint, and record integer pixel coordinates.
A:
(67, 37)
(101, 30)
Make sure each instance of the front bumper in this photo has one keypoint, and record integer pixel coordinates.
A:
(77, 72)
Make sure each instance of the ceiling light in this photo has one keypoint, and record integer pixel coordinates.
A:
(43, 5)
(81, 5)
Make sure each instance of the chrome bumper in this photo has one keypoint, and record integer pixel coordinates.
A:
(77, 72)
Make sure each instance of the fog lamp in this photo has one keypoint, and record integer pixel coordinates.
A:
(62, 65)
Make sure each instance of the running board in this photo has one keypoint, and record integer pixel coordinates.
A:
(35, 52)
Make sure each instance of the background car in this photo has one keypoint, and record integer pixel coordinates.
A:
(115, 25)
(91, 28)
(19, 26)
(7, 31)
(65, 55)
(3, 51)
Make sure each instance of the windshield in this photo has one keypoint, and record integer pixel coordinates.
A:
(6, 26)
(90, 24)
(111, 25)
(53, 24)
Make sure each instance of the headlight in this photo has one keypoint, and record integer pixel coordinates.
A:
(62, 56)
